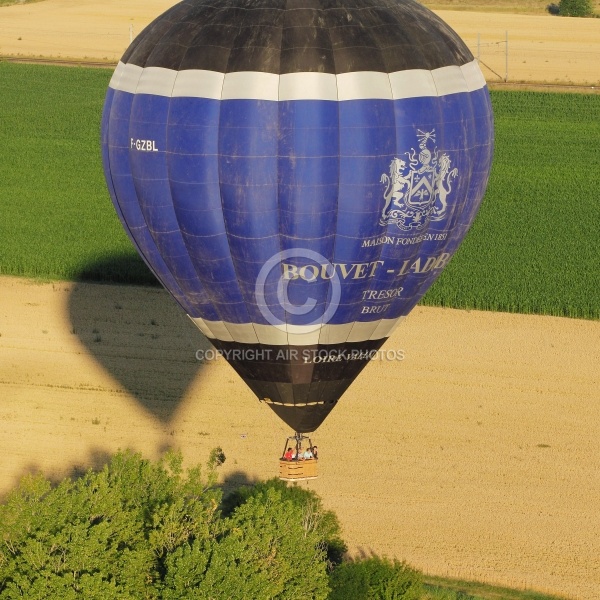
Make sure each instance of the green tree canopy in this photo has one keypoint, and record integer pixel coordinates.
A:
(324, 522)
(139, 529)
(575, 8)
(376, 578)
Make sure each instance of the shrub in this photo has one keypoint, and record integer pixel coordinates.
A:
(139, 529)
(575, 8)
(265, 552)
(553, 9)
(104, 535)
(375, 579)
(315, 517)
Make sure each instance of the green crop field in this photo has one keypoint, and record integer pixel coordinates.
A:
(533, 247)
(56, 216)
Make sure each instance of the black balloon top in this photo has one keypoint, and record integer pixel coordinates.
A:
(293, 36)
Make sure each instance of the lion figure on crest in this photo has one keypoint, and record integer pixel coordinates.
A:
(446, 175)
(396, 185)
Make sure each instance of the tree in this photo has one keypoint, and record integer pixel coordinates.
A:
(324, 522)
(105, 535)
(264, 552)
(575, 8)
(375, 579)
(144, 530)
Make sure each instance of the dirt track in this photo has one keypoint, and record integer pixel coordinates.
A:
(477, 458)
(541, 48)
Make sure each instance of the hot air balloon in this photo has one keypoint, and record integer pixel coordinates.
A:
(297, 173)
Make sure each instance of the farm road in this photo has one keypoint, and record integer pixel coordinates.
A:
(541, 48)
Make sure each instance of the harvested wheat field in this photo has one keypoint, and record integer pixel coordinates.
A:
(475, 456)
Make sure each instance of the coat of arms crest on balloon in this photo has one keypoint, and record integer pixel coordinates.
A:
(417, 189)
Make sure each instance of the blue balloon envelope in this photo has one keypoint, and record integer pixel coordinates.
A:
(297, 174)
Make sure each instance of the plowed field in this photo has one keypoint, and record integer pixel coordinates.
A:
(475, 456)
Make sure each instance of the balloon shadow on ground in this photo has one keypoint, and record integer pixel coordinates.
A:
(98, 458)
(127, 268)
(138, 333)
(236, 480)
(95, 460)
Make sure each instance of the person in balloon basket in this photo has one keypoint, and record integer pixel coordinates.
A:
(288, 454)
(298, 454)
(315, 453)
(308, 455)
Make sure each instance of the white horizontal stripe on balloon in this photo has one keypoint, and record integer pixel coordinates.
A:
(126, 78)
(308, 86)
(157, 81)
(297, 335)
(196, 83)
(249, 85)
(364, 85)
(416, 83)
(362, 331)
(449, 80)
(473, 75)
